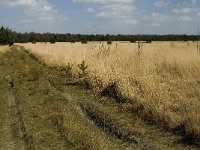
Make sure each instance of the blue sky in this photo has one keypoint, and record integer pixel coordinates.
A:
(102, 16)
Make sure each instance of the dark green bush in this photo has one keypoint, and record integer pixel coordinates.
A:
(84, 42)
(132, 41)
(109, 42)
(6, 36)
(148, 41)
(73, 41)
(52, 41)
(11, 43)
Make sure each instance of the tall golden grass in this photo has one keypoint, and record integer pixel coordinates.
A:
(162, 82)
(3, 49)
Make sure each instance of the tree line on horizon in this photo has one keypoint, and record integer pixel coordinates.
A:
(7, 36)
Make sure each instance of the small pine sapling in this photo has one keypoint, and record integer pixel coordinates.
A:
(82, 73)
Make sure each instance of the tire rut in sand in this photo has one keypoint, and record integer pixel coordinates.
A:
(18, 134)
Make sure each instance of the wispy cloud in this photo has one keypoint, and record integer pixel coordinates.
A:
(90, 10)
(193, 2)
(158, 18)
(162, 3)
(154, 24)
(105, 1)
(114, 9)
(184, 18)
(37, 10)
(182, 10)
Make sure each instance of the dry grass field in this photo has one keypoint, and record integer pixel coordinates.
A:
(3, 49)
(160, 82)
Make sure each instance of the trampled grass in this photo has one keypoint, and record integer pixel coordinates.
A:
(161, 82)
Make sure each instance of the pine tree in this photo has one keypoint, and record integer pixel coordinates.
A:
(6, 36)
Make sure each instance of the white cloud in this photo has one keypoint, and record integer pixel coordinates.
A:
(17, 3)
(129, 22)
(161, 3)
(117, 10)
(62, 18)
(193, 2)
(105, 1)
(38, 10)
(182, 10)
(121, 10)
(90, 10)
(184, 18)
(157, 17)
(155, 24)
(26, 21)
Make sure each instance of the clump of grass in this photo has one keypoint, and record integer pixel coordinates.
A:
(30, 68)
(30, 71)
(4, 48)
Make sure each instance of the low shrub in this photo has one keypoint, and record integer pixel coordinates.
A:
(109, 42)
(84, 42)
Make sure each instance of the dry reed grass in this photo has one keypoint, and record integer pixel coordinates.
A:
(3, 49)
(162, 82)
